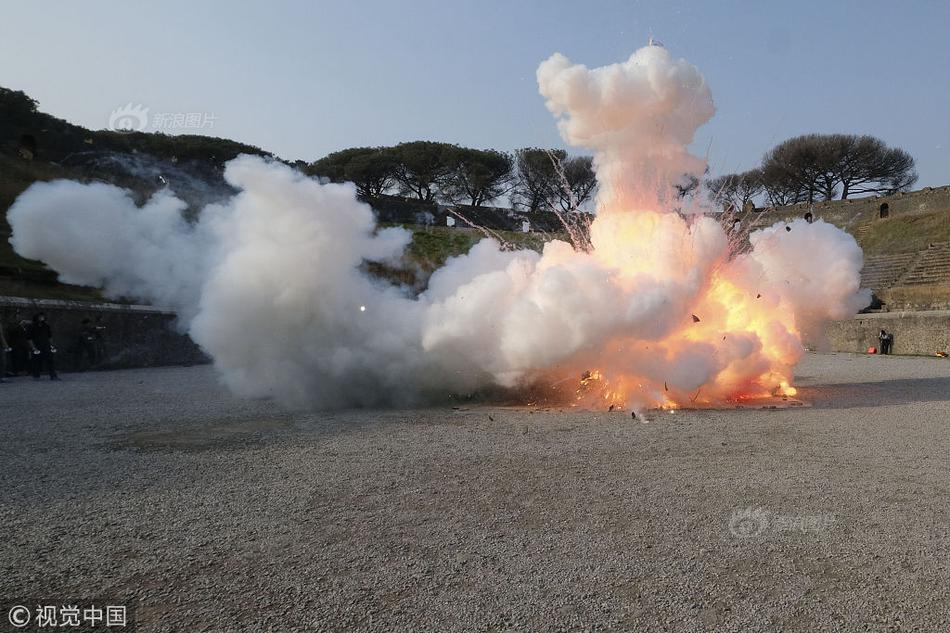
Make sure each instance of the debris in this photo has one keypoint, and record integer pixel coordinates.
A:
(872, 350)
(665, 388)
(695, 319)
(758, 296)
(633, 414)
(941, 354)
(491, 418)
(611, 408)
(788, 228)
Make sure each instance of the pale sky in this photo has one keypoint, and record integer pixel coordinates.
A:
(302, 79)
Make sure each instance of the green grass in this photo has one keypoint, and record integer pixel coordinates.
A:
(906, 234)
(432, 246)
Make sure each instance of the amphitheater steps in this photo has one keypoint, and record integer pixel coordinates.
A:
(933, 267)
(883, 271)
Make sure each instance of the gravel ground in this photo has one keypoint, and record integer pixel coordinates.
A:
(214, 514)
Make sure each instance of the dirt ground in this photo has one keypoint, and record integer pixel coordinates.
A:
(202, 512)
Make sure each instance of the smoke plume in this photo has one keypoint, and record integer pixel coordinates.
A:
(661, 312)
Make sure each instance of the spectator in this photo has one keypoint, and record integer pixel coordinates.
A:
(100, 347)
(41, 345)
(887, 340)
(18, 339)
(86, 348)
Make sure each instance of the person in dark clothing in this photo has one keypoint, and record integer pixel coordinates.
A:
(887, 340)
(41, 344)
(18, 339)
(100, 346)
(86, 348)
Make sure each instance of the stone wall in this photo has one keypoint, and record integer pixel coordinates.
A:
(921, 333)
(395, 210)
(856, 210)
(133, 336)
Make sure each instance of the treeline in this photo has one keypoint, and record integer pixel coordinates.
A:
(24, 127)
(534, 179)
(818, 167)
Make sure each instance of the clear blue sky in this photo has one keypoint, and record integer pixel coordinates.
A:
(305, 78)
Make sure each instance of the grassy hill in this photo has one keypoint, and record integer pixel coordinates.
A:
(904, 234)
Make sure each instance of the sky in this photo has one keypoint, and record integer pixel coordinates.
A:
(302, 79)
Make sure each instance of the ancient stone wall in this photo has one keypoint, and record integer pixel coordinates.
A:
(922, 333)
(856, 210)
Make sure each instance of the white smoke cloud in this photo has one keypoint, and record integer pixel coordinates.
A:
(270, 283)
(640, 151)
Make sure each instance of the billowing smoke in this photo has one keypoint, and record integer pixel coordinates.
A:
(660, 312)
(639, 150)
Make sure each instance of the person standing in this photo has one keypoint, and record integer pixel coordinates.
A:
(86, 348)
(41, 345)
(100, 346)
(885, 339)
(17, 337)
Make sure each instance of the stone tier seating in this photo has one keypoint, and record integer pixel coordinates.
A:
(883, 271)
(932, 267)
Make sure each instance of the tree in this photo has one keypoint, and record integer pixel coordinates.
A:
(423, 168)
(17, 105)
(779, 187)
(371, 169)
(538, 180)
(549, 177)
(813, 166)
(735, 191)
(796, 167)
(478, 176)
(579, 182)
(870, 166)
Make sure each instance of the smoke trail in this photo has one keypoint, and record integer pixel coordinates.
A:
(659, 313)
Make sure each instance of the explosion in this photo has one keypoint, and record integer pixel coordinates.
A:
(659, 311)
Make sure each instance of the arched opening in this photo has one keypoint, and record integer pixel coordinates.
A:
(27, 146)
(884, 211)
